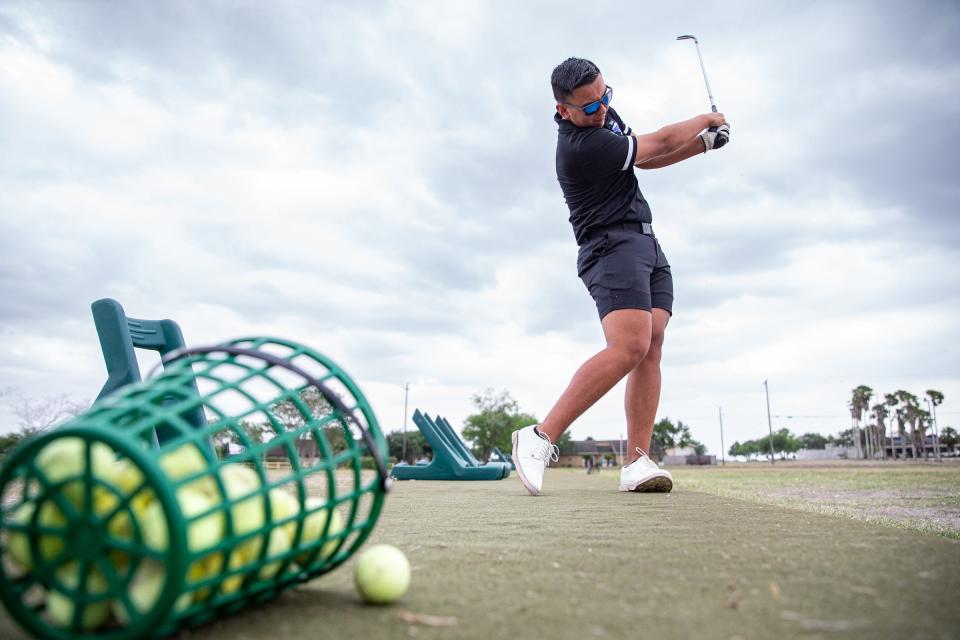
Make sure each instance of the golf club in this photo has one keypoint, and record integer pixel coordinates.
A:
(722, 137)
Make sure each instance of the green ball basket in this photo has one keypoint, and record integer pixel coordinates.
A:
(109, 531)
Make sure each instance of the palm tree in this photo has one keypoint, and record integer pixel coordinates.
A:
(900, 413)
(865, 394)
(920, 421)
(911, 415)
(880, 413)
(853, 426)
(936, 399)
(859, 403)
(870, 431)
(880, 428)
(879, 446)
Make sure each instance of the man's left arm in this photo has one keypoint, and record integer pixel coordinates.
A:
(701, 144)
(692, 148)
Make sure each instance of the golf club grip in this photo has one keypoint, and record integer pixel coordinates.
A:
(721, 138)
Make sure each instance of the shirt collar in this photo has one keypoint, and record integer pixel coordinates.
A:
(566, 124)
(563, 124)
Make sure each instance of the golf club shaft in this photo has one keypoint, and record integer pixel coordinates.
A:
(713, 104)
(722, 137)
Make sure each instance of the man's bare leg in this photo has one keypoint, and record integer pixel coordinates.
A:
(628, 333)
(643, 391)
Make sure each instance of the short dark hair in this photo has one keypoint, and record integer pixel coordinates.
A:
(570, 74)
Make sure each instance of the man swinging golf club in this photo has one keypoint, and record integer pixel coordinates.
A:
(620, 262)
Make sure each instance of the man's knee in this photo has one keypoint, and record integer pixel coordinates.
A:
(633, 350)
(655, 351)
(660, 320)
(628, 334)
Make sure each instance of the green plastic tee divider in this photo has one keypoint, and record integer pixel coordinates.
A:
(120, 335)
(449, 461)
(444, 425)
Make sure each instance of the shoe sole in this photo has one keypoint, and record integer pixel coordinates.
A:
(657, 484)
(523, 478)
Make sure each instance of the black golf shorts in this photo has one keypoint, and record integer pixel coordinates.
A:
(625, 269)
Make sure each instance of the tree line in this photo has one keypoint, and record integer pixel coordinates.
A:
(868, 434)
(784, 443)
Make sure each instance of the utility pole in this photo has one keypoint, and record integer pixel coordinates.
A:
(723, 461)
(406, 396)
(769, 419)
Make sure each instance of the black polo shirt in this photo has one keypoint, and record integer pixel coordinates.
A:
(595, 171)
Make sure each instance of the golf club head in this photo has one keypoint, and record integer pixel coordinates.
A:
(688, 37)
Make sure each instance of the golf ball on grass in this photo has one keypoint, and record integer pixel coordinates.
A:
(382, 574)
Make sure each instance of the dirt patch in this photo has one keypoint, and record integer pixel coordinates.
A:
(852, 496)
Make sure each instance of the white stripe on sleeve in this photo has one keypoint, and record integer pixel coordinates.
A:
(630, 142)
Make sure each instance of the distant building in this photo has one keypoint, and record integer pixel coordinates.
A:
(677, 455)
(612, 453)
(599, 453)
(831, 452)
(926, 449)
(305, 449)
(892, 445)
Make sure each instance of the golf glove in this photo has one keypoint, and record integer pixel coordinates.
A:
(715, 137)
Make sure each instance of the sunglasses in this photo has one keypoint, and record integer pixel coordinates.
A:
(592, 107)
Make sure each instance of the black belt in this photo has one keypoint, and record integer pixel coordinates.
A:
(640, 227)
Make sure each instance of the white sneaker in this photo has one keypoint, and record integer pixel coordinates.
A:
(644, 475)
(531, 451)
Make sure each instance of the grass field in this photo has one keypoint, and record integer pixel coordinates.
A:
(585, 561)
(924, 497)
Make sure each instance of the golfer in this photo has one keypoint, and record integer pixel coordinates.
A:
(620, 262)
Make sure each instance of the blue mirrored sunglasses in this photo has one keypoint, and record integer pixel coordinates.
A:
(592, 107)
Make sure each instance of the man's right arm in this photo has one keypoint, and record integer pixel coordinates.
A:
(674, 136)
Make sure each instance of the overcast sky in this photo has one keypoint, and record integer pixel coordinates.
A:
(376, 180)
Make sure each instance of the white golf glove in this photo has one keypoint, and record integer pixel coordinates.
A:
(709, 137)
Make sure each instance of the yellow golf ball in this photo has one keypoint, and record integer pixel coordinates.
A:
(382, 574)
